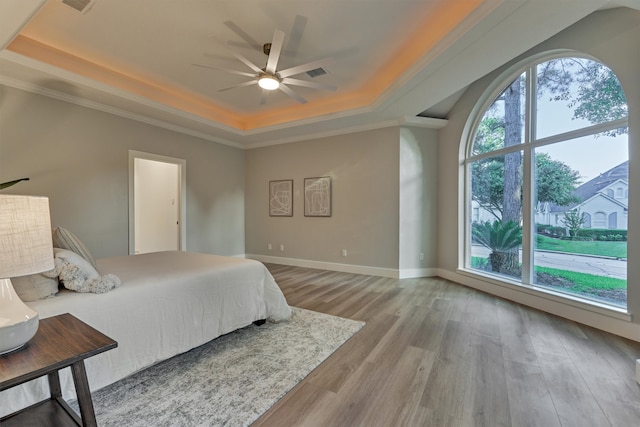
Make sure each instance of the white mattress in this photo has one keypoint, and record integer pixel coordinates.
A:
(168, 303)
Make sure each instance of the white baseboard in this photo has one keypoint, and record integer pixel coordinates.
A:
(410, 273)
(332, 266)
(346, 268)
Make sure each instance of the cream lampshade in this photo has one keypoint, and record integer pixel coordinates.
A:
(25, 248)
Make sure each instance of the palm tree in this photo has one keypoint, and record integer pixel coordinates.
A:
(502, 239)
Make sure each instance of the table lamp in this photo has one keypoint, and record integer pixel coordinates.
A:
(25, 248)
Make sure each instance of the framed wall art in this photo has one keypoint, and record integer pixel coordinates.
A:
(317, 196)
(281, 198)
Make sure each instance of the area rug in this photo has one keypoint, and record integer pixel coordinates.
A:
(229, 381)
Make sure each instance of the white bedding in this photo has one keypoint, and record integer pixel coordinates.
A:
(168, 303)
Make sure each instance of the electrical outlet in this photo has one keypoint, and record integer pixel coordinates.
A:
(269, 246)
(638, 371)
(344, 252)
(421, 256)
(281, 248)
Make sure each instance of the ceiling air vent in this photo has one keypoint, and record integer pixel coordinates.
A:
(80, 5)
(317, 72)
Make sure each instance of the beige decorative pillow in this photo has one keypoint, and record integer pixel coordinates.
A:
(77, 274)
(34, 287)
(63, 238)
(86, 269)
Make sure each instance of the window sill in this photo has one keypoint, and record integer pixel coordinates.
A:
(557, 297)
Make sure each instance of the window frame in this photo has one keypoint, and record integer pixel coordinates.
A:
(528, 147)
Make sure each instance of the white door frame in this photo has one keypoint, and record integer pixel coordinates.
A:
(182, 166)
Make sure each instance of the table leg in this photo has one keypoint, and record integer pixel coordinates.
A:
(84, 395)
(54, 385)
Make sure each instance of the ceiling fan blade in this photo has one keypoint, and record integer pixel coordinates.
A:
(292, 94)
(274, 53)
(243, 35)
(227, 70)
(305, 83)
(295, 35)
(305, 67)
(243, 84)
(248, 63)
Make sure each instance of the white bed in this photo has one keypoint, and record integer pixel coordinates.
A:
(168, 303)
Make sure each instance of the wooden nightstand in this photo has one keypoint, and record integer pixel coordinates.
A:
(61, 341)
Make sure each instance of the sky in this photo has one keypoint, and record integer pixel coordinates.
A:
(589, 155)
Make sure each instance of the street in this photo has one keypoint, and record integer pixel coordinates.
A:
(581, 263)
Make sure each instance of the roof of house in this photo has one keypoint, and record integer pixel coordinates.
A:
(593, 186)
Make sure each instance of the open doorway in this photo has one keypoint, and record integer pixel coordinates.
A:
(157, 203)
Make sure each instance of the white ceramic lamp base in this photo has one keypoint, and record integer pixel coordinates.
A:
(18, 322)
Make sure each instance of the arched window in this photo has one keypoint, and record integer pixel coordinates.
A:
(613, 220)
(600, 220)
(554, 133)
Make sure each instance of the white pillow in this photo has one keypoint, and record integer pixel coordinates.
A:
(73, 258)
(65, 239)
(35, 287)
(77, 274)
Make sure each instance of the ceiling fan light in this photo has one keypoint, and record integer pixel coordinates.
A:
(268, 82)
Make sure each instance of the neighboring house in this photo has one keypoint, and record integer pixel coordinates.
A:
(604, 201)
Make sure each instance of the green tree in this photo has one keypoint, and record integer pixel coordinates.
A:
(599, 97)
(574, 220)
(502, 238)
(555, 181)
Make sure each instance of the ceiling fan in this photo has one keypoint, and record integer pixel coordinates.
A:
(269, 78)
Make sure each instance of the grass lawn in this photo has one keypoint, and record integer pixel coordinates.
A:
(612, 249)
(585, 282)
(606, 289)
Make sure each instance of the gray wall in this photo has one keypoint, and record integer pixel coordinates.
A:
(611, 36)
(78, 157)
(418, 208)
(364, 168)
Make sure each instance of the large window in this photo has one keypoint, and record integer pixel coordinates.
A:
(546, 168)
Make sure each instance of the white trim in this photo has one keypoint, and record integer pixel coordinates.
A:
(408, 273)
(323, 134)
(182, 164)
(423, 122)
(331, 266)
(609, 319)
(411, 273)
(408, 121)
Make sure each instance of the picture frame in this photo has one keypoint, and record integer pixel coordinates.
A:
(281, 197)
(317, 196)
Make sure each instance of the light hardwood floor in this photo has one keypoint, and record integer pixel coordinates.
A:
(435, 353)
